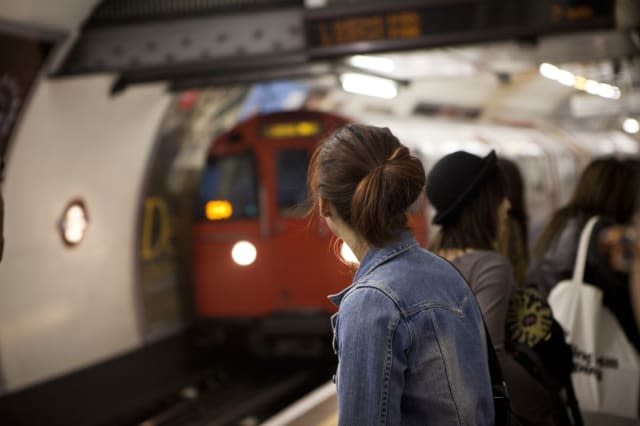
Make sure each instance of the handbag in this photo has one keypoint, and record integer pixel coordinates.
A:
(606, 377)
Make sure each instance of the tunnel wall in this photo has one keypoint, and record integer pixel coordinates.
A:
(64, 308)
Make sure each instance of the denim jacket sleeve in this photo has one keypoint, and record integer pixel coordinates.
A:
(371, 338)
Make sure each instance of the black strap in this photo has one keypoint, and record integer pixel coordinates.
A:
(494, 365)
(501, 402)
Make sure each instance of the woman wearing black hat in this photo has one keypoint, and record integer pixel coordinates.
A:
(469, 195)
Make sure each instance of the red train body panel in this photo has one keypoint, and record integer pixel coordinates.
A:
(295, 266)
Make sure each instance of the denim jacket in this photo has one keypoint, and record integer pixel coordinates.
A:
(410, 343)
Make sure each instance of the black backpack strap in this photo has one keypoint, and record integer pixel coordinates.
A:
(501, 402)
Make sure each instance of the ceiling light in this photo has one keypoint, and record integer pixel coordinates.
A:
(566, 78)
(591, 86)
(363, 84)
(579, 82)
(608, 91)
(549, 71)
(631, 125)
(373, 63)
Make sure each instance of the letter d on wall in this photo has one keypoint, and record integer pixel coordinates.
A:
(156, 229)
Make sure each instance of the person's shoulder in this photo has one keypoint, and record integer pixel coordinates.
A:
(438, 269)
(368, 300)
(418, 263)
(366, 292)
(486, 266)
(486, 259)
(417, 278)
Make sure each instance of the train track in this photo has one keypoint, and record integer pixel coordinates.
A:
(242, 392)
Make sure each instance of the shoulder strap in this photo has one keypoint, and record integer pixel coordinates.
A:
(495, 371)
(583, 246)
(501, 399)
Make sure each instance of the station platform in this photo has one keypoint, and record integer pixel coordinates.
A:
(318, 408)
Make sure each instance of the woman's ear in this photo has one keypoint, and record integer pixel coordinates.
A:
(325, 207)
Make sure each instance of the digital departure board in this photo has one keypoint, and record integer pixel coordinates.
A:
(358, 29)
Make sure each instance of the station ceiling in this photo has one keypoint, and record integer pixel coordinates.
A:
(199, 43)
(178, 40)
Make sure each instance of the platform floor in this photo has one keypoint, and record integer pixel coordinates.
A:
(320, 408)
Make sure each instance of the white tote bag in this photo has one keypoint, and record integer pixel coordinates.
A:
(606, 378)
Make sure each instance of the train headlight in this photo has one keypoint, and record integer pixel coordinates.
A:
(244, 253)
(218, 209)
(347, 254)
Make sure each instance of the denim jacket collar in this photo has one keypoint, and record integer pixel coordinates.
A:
(374, 257)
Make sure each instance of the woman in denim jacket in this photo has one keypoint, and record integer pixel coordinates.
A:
(408, 334)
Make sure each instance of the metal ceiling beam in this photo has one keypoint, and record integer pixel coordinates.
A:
(161, 48)
(221, 40)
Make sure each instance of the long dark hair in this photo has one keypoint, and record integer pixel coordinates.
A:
(607, 187)
(513, 241)
(369, 177)
(475, 225)
(515, 192)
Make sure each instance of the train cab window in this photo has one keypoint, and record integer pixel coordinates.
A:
(291, 181)
(228, 189)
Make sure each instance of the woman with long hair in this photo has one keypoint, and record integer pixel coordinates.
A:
(469, 195)
(607, 188)
(513, 242)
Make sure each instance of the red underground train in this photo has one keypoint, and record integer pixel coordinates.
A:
(263, 266)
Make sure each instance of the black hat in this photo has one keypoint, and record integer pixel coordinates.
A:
(453, 179)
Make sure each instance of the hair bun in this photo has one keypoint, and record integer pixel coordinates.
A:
(402, 185)
(400, 153)
(370, 178)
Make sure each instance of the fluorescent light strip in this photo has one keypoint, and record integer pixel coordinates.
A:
(368, 85)
(578, 82)
(373, 63)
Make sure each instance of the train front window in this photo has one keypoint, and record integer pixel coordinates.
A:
(291, 181)
(228, 189)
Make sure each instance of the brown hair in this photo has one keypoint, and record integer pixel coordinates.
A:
(607, 187)
(515, 192)
(475, 225)
(513, 241)
(369, 177)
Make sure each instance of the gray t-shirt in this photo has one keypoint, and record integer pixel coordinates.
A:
(491, 279)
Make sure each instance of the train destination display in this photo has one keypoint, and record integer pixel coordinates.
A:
(335, 31)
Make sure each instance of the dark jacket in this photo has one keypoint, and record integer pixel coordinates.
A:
(557, 264)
